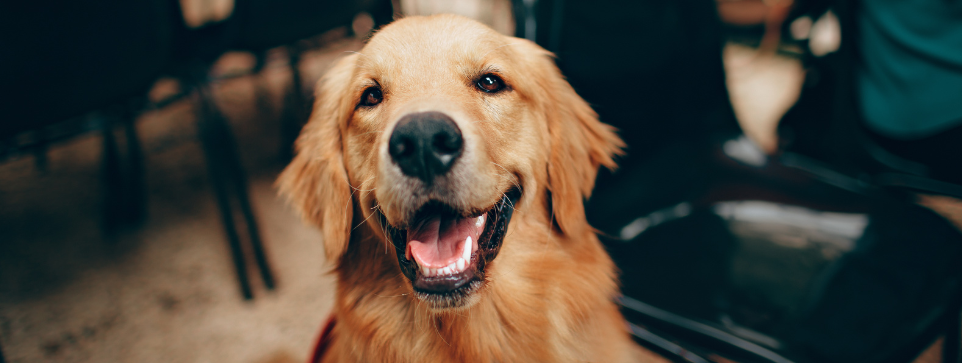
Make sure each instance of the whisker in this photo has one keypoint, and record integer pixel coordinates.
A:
(363, 190)
(513, 181)
(418, 321)
(434, 323)
(362, 183)
(398, 295)
(362, 222)
(511, 205)
(387, 237)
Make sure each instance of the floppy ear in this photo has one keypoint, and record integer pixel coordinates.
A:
(316, 181)
(578, 143)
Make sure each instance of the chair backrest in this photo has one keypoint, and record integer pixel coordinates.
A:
(66, 58)
(786, 262)
(266, 23)
(653, 69)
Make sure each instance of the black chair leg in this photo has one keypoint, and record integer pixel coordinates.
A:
(123, 175)
(237, 174)
(220, 150)
(112, 177)
(240, 185)
(211, 127)
(262, 96)
(295, 108)
(953, 339)
(136, 190)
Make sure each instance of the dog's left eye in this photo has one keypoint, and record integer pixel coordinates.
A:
(490, 83)
(371, 96)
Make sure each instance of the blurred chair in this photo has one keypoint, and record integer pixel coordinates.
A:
(266, 24)
(64, 60)
(255, 26)
(726, 252)
(756, 259)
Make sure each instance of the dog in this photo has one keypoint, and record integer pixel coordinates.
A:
(447, 166)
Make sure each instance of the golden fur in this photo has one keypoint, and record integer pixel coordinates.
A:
(548, 296)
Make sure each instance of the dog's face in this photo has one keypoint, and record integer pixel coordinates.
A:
(433, 135)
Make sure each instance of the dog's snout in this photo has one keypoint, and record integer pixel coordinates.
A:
(425, 145)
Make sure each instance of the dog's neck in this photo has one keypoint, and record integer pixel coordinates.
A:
(524, 302)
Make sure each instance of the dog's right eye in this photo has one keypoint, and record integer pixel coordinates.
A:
(490, 83)
(371, 96)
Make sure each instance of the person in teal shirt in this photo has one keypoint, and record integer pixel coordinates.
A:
(909, 80)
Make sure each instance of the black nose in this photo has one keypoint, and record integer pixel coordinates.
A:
(425, 145)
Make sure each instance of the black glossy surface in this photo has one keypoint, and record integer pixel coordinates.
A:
(782, 255)
(425, 145)
(62, 59)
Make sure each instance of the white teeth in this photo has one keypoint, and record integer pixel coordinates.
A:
(455, 267)
(466, 251)
(480, 221)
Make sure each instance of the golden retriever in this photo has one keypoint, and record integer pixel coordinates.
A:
(447, 166)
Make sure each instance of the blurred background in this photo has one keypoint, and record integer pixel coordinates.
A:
(791, 191)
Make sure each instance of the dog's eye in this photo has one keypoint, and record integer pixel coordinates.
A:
(371, 96)
(490, 83)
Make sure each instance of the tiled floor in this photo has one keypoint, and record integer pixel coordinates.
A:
(167, 292)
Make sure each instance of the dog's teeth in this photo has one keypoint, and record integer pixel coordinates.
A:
(432, 272)
(460, 264)
(480, 221)
(466, 251)
(425, 271)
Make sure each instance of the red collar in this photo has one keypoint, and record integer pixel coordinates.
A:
(324, 341)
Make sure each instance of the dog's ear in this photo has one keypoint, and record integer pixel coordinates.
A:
(578, 143)
(316, 181)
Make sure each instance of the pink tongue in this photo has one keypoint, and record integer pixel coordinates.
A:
(438, 241)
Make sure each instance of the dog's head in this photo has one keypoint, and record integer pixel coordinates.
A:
(434, 134)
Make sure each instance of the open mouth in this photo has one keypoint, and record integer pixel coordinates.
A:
(444, 252)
